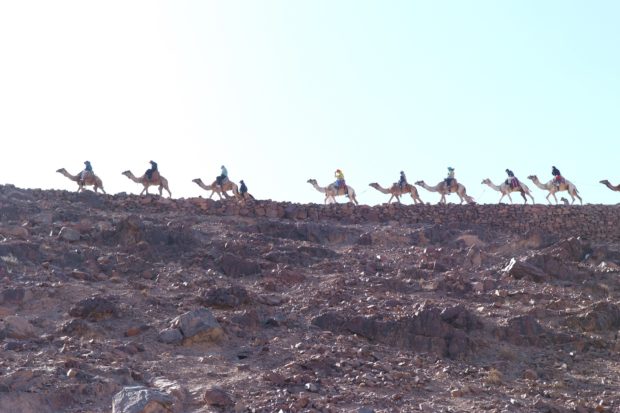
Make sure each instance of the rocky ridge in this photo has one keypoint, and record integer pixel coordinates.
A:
(129, 304)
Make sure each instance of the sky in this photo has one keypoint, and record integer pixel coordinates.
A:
(281, 91)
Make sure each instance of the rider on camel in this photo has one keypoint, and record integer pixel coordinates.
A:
(512, 179)
(88, 169)
(558, 179)
(149, 172)
(402, 181)
(222, 177)
(450, 179)
(340, 182)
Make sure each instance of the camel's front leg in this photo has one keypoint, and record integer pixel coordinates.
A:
(554, 197)
(500, 198)
(392, 197)
(509, 197)
(145, 190)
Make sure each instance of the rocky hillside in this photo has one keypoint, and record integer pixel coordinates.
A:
(144, 305)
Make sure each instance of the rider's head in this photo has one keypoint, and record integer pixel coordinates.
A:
(222, 167)
(450, 168)
(401, 172)
(86, 163)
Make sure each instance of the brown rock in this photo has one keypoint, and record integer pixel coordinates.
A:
(217, 397)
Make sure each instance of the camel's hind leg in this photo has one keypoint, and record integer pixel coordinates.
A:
(530, 195)
(576, 195)
(167, 190)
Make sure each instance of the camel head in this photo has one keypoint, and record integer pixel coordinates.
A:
(374, 184)
(61, 170)
(312, 181)
(533, 177)
(486, 181)
(604, 181)
(420, 183)
(127, 173)
(197, 181)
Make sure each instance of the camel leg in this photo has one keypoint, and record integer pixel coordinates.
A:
(530, 195)
(554, 197)
(576, 195)
(500, 198)
(390, 200)
(523, 195)
(168, 190)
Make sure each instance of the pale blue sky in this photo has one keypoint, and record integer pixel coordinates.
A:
(283, 91)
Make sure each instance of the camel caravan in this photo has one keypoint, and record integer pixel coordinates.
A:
(227, 189)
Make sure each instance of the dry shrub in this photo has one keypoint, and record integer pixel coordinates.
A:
(495, 377)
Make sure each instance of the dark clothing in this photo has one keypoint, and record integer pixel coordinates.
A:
(402, 181)
(88, 168)
(243, 189)
(449, 182)
(219, 180)
(555, 172)
(510, 174)
(149, 172)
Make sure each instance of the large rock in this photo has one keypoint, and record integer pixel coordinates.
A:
(218, 397)
(235, 266)
(523, 330)
(230, 297)
(198, 326)
(18, 327)
(519, 269)
(94, 309)
(69, 234)
(604, 316)
(171, 336)
(431, 329)
(15, 296)
(138, 399)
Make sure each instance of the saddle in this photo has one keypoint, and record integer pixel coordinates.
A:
(513, 182)
(154, 175)
(453, 185)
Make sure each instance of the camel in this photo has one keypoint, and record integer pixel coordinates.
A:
(89, 179)
(506, 189)
(331, 192)
(610, 186)
(156, 180)
(552, 188)
(441, 187)
(396, 192)
(216, 189)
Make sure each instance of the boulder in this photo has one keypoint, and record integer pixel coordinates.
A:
(138, 399)
(198, 326)
(218, 397)
(17, 295)
(18, 327)
(431, 329)
(171, 336)
(69, 234)
(523, 330)
(519, 269)
(94, 309)
(230, 297)
(235, 266)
